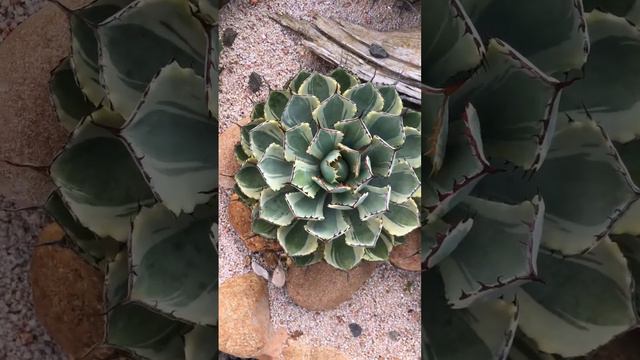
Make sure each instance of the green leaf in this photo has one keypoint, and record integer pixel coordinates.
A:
(466, 165)
(296, 241)
(584, 302)
(275, 105)
(403, 182)
(174, 115)
(263, 135)
(400, 219)
(145, 332)
(100, 182)
(296, 81)
(334, 109)
(485, 328)
(332, 226)
(377, 202)
(175, 264)
(262, 227)
(134, 49)
(250, 181)
(347, 200)
(296, 142)
(387, 127)
(550, 33)
(84, 45)
(381, 251)
(201, 343)
(630, 247)
(411, 150)
(258, 111)
(69, 101)
(302, 178)
(362, 233)
(608, 94)
(345, 79)
(318, 85)
(436, 108)
(382, 156)
(366, 97)
(356, 135)
(516, 104)
(324, 142)
(274, 168)
(307, 260)
(454, 46)
(498, 253)
(391, 99)
(342, 256)
(629, 9)
(299, 110)
(94, 249)
(274, 208)
(245, 135)
(306, 208)
(412, 118)
(365, 175)
(439, 240)
(579, 213)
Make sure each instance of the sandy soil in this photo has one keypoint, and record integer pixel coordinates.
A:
(387, 307)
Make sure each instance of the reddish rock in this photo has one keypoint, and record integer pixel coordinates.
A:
(321, 287)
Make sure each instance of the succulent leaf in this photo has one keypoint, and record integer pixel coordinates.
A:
(583, 303)
(175, 264)
(99, 181)
(274, 168)
(499, 251)
(295, 239)
(342, 256)
(173, 115)
(615, 53)
(486, 328)
(70, 102)
(334, 109)
(565, 50)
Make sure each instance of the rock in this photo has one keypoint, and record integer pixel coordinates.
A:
(68, 296)
(228, 166)
(240, 218)
(244, 327)
(321, 287)
(394, 335)
(407, 255)
(255, 82)
(378, 51)
(30, 132)
(356, 330)
(229, 37)
(297, 350)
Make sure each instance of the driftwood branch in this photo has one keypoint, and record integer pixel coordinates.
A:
(347, 45)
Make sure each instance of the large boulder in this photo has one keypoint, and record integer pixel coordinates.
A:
(320, 286)
(244, 325)
(68, 298)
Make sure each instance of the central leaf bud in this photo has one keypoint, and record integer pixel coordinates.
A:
(334, 168)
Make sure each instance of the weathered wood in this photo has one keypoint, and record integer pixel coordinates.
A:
(347, 45)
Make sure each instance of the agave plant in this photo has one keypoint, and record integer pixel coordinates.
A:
(330, 168)
(136, 184)
(532, 176)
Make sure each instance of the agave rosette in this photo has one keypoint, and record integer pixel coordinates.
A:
(137, 180)
(532, 157)
(329, 166)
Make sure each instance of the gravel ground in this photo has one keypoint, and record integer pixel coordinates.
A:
(387, 307)
(21, 336)
(13, 12)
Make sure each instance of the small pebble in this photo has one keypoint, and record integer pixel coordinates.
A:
(394, 335)
(378, 51)
(228, 37)
(356, 330)
(255, 82)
